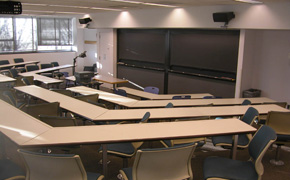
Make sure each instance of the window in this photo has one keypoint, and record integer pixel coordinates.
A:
(30, 34)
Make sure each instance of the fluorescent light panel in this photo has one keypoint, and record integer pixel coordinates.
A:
(250, 1)
(143, 3)
(65, 6)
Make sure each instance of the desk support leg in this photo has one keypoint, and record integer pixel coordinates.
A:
(234, 146)
(105, 159)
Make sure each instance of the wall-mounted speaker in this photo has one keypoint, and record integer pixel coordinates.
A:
(223, 17)
(85, 20)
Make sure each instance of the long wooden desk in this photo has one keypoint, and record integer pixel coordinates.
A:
(152, 96)
(104, 79)
(56, 68)
(74, 105)
(6, 79)
(17, 64)
(133, 103)
(97, 113)
(27, 131)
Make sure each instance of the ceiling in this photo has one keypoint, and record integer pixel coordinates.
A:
(81, 7)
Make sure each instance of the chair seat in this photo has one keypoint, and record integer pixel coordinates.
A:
(128, 173)
(94, 176)
(227, 140)
(218, 167)
(120, 149)
(8, 169)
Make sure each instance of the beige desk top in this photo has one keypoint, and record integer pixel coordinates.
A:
(4, 78)
(46, 80)
(109, 79)
(111, 97)
(19, 126)
(82, 108)
(133, 103)
(139, 132)
(101, 114)
(169, 113)
(46, 70)
(17, 64)
(160, 96)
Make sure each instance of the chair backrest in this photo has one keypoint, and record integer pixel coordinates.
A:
(90, 97)
(169, 105)
(63, 91)
(51, 109)
(89, 68)
(246, 102)
(43, 66)
(54, 64)
(279, 121)
(58, 121)
(182, 97)
(151, 89)
(9, 97)
(3, 62)
(31, 68)
(250, 116)
(145, 118)
(13, 72)
(164, 163)
(27, 80)
(120, 92)
(19, 60)
(258, 146)
(52, 166)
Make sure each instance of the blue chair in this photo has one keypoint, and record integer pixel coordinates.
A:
(4, 62)
(55, 166)
(120, 92)
(151, 89)
(56, 73)
(44, 66)
(13, 72)
(182, 97)
(20, 68)
(246, 102)
(31, 68)
(224, 168)
(125, 150)
(244, 139)
(161, 163)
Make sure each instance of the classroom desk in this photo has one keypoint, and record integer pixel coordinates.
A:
(104, 79)
(184, 112)
(110, 97)
(26, 131)
(133, 103)
(17, 64)
(139, 132)
(152, 96)
(74, 105)
(6, 79)
(56, 68)
(109, 79)
(18, 125)
(97, 113)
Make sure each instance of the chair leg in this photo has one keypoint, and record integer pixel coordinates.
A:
(276, 161)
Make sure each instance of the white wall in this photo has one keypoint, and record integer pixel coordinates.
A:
(265, 16)
(271, 64)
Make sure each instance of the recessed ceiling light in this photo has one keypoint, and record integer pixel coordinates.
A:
(250, 1)
(107, 9)
(162, 5)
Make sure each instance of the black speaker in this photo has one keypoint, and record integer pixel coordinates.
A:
(223, 16)
(85, 20)
(10, 7)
